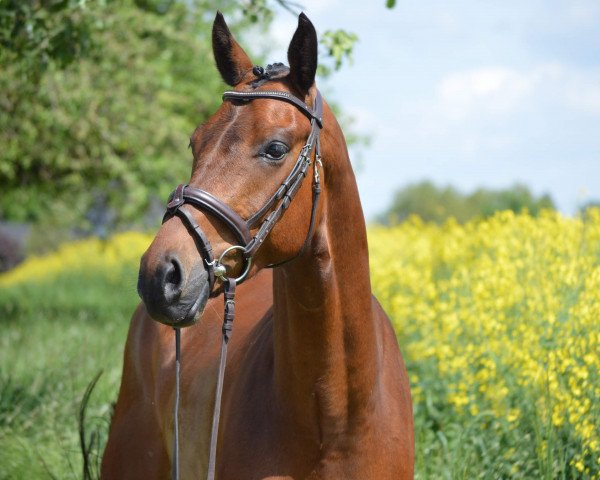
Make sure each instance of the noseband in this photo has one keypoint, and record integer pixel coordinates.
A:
(267, 216)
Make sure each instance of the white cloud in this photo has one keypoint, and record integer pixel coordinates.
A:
(492, 90)
(502, 91)
(477, 116)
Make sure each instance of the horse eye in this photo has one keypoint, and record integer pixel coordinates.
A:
(276, 151)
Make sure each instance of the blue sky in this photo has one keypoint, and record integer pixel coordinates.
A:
(469, 93)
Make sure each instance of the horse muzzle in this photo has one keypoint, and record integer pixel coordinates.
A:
(173, 295)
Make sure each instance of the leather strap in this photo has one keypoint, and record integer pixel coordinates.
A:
(313, 217)
(205, 201)
(175, 464)
(285, 185)
(316, 118)
(200, 238)
(277, 95)
(229, 296)
(222, 211)
(284, 202)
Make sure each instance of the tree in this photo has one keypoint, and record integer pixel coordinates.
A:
(436, 204)
(98, 100)
(105, 125)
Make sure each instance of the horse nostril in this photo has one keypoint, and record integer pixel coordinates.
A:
(173, 275)
(173, 280)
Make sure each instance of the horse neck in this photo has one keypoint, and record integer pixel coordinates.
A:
(324, 331)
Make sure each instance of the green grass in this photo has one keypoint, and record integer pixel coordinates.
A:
(56, 336)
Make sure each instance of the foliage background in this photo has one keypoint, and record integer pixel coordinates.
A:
(437, 204)
(98, 100)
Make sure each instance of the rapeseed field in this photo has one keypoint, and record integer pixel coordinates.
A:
(505, 314)
(498, 320)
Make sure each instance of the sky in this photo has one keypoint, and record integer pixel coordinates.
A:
(469, 93)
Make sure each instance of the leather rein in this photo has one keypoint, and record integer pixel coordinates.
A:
(265, 219)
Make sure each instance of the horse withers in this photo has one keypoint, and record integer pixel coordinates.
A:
(315, 386)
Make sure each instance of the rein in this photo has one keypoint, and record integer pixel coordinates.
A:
(267, 216)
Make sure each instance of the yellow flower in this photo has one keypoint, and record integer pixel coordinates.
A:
(509, 309)
(90, 254)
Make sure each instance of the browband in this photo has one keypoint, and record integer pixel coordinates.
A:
(316, 115)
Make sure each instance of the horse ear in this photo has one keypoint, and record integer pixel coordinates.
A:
(302, 55)
(231, 59)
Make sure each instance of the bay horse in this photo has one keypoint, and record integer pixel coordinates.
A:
(315, 386)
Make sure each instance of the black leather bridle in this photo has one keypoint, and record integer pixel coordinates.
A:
(267, 216)
(276, 205)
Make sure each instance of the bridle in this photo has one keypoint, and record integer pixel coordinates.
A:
(267, 216)
(277, 204)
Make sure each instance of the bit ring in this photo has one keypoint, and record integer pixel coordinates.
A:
(221, 270)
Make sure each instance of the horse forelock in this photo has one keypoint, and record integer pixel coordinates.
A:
(274, 71)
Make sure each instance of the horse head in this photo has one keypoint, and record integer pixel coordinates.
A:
(249, 161)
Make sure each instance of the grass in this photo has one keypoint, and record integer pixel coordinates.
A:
(56, 336)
